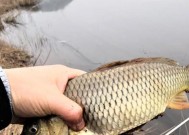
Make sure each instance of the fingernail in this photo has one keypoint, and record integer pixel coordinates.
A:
(80, 125)
(77, 126)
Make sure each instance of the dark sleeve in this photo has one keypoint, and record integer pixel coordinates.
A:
(5, 107)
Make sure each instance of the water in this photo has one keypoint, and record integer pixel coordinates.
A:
(85, 34)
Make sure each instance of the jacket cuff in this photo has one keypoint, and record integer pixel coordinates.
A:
(5, 101)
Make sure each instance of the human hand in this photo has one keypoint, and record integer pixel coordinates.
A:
(38, 91)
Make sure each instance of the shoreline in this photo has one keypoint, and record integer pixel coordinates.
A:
(10, 56)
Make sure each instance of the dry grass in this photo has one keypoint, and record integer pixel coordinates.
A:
(10, 18)
(1, 25)
(11, 57)
(7, 5)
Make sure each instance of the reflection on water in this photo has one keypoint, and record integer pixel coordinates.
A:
(113, 30)
(121, 30)
(88, 33)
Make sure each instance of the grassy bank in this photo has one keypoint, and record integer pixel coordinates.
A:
(11, 57)
(7, 5)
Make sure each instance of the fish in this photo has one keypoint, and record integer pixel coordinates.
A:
(122, 95)
(54, 126)
(12, 129)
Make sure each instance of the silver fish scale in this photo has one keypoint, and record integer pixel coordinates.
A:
(122, 98)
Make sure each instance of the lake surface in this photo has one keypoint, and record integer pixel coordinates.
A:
(87, 33)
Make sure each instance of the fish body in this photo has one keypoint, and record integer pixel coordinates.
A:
(12, 129)
(120, 96)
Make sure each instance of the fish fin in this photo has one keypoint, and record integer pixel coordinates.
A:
(84, 131)
(136, 61)
(179, 102)
(111, 65)
(155, 60)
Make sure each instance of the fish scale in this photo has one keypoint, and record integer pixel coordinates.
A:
(152, 97)
(122, 95)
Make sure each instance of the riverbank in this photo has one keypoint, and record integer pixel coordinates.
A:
(7, 5)
(11, 57)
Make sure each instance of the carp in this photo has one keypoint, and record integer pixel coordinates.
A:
(122, 95)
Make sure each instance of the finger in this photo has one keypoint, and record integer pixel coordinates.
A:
(66, 73)
(69, 111)
(74, 72)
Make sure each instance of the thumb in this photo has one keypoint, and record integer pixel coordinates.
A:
(74, 73)
(69, 111)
